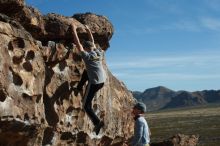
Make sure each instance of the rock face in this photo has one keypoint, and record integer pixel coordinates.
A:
(102, 28)
(56, 27)
(37, 106)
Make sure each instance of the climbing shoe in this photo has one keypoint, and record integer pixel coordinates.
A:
(98, 127)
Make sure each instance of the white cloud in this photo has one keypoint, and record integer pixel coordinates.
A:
(194, 25)
(185, 25)
(168, 68)
(164, 61)
(197, 24)
(166, 76)
(211, 23)
(165, 6)
(191, 25)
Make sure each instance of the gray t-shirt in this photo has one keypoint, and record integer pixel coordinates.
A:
(94, 67)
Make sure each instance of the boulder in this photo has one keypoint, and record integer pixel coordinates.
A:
(100, 26)
(179, 140)
(56, 27)
(38, 67)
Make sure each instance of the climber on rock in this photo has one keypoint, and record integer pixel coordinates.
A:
(94, 73)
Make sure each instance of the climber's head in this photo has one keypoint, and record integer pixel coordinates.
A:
(88, 45)
(139, 108)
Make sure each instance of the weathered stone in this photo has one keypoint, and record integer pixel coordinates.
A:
(56, 27)
(37, 106)
(179, 140)
(100, 26)
(21, 106)
(11, 6)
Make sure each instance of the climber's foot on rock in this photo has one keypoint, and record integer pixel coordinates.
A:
(98, 127)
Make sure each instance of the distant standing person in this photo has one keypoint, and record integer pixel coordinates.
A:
(94, 73)
(141, 130)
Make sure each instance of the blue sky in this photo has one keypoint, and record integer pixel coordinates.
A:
(171, 43)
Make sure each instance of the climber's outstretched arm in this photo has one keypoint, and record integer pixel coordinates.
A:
(76, 38)
(90, 35)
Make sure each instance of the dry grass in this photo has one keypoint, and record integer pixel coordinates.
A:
(203, 121)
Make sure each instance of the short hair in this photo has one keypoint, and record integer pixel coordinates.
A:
(88, 44)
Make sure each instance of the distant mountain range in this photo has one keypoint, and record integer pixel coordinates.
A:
(163, 98)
